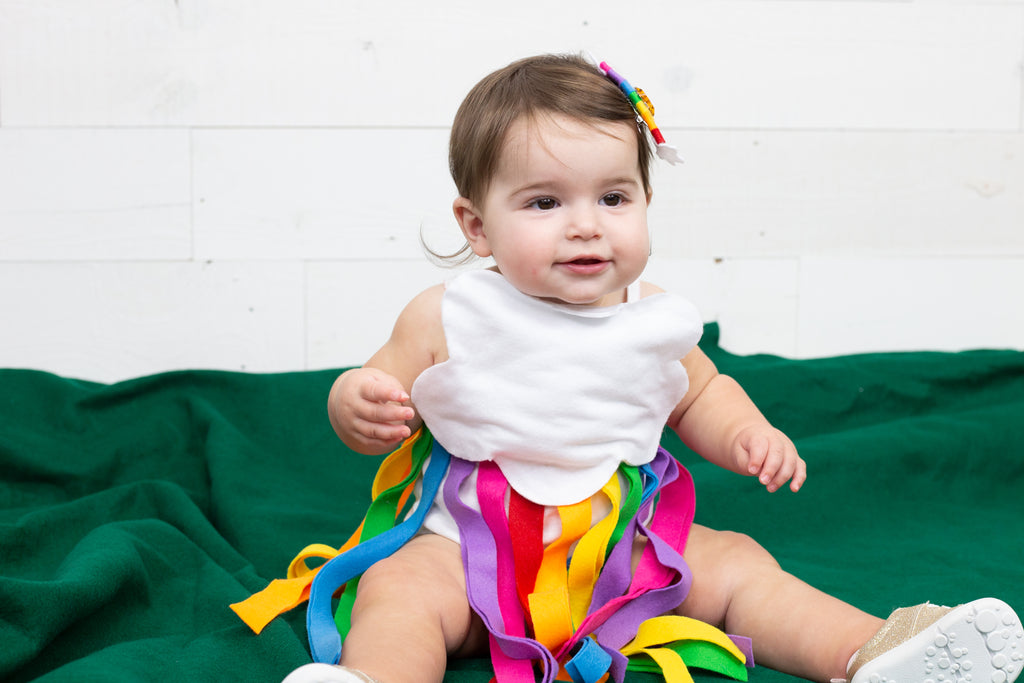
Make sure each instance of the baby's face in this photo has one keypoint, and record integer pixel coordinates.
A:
(565, 216)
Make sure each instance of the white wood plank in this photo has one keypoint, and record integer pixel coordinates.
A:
(322, 193)
(753, 301)
(352, 306)
(248, 62)
(892, 65)
(741, 63)
(94, 194)
(113, 321)
(106, 321)
(757, 194)
(760, 303)
(851, 305)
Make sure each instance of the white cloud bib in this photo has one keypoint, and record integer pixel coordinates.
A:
(556, 395)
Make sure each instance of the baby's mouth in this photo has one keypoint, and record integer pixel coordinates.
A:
(586, 265)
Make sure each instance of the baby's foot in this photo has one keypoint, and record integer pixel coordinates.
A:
(325, 673)
(980, 642)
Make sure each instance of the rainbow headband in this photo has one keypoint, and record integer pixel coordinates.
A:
(645, 110)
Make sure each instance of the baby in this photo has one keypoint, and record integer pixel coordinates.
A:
(546, 381)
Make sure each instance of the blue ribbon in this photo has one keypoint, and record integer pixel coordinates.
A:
(324, 639)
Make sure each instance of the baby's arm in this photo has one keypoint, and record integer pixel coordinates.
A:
(369, 407)
(719, 421)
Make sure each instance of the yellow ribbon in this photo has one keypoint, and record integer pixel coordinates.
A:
(549, 602)
(655, 634)
(589, 556)
(282, 595)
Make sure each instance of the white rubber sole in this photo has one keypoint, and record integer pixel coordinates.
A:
(980, 642)
(324, 673)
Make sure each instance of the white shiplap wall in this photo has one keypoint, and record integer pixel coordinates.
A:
(242, 184)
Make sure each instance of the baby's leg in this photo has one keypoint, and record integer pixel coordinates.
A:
(411, 612)
(796, 628)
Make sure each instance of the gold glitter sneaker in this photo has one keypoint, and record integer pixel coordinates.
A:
(980, 642)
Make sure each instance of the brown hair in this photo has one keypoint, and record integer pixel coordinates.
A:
(567, 85)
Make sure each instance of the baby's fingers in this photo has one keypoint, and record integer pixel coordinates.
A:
(384, 400)
(755, 451)
(773, 459)
(382, 432)
(774, 471)
(383, 390)
(799, 476)
(791, 468)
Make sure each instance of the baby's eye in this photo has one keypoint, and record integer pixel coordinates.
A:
(544, 203)
(612, 199)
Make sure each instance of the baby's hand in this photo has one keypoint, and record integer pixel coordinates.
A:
(369, 410)
(768, 454)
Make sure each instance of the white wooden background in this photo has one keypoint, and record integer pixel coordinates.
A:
(241, 184)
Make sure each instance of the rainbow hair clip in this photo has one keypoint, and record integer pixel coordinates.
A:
(645, 110)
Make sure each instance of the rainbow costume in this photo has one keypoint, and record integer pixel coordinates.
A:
(546, 522)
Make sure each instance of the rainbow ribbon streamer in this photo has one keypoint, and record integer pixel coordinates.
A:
(645, 110)
(583, 616)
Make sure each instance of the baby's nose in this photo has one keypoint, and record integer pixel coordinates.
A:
(584, 224)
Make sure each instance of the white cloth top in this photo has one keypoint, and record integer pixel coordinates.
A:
(556, 395)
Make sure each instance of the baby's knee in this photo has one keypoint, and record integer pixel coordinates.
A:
(388, 574)
(744, 550)
(417, 576)
(422, 584)
(399, 579)
(724, 563)
(734, 557)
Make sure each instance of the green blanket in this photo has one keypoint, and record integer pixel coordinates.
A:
(131, 515)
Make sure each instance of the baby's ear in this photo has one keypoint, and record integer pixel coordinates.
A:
(472, 224)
